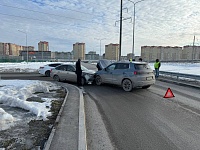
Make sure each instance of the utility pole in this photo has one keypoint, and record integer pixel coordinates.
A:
(133, 47)
(120, 36)
(193, 48)
(26, 44)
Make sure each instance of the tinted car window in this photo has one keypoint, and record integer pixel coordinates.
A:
(62, 67)
(122, 66)
(111, 67)
(141, 66)
(70, 68)
(53, 65)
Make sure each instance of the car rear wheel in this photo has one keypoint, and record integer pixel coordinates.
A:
(47, 73)
(56, 78)
(98, 80)
(145, 87)
(127, 85)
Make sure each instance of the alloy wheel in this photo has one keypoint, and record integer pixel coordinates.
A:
(127, 85)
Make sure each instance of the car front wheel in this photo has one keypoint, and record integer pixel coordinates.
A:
(98, 80)
(47, 73)
(127, 85)
(56, 78)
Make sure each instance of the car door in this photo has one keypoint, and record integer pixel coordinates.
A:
(119, 72)
(107, 76)
(63, 72)
(71, 75)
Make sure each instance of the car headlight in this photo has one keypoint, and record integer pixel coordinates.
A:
(88, 76)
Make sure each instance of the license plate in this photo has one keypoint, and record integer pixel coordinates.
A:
(148, 78)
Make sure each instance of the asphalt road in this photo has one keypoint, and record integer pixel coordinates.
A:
(141, 119)
(144, 120)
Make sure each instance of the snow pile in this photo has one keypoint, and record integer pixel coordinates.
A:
(6, 120)
(14, 93)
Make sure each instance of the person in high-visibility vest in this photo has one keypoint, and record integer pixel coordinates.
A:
(157, 65)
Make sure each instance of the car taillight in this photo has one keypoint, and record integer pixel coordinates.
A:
(135, 72)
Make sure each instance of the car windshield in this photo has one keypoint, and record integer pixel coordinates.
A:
(141, 66)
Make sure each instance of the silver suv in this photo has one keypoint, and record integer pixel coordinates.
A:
(129, 75)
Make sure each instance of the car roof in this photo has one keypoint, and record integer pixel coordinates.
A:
(133, 62)
(68, 64)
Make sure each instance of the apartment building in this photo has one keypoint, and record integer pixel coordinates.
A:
(165, 53)
(112, 51)
(79, 51)
(191, 53)
(43, 46)
(10, 49)
(2, 49)
(36, 55)
(92, 56)
(61, 55)
(130, 56)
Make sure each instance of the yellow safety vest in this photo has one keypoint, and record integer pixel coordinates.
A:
(156, 65)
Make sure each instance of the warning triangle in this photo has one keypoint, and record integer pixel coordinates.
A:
(169, 94)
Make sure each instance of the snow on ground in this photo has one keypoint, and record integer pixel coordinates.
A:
(188, 68)
(22, 67)
(14, 93)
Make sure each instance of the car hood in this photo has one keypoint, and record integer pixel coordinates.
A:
(103, 63)
(89, 71)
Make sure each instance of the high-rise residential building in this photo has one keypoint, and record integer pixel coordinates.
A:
(10, 49)
(191, 52)
(112, 51)
(79, 51)
(43, 46)
(164, 53)
(2, 48)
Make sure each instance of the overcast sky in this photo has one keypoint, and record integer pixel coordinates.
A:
(65, 22)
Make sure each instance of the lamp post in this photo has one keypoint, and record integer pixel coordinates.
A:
(134, 3)
(100, 46)
(26, 43)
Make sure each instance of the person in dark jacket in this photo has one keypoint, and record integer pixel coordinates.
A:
(78, 72)
(98, 66)
(157, 65)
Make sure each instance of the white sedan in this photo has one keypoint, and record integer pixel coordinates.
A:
(45, 70)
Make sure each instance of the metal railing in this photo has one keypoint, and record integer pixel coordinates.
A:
(180, 76)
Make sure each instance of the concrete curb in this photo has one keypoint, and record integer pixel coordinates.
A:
(82, 141)
(48, 143)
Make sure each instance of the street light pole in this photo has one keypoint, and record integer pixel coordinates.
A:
(134, 3)
(100, 46)
(120, 32)
(26, 43)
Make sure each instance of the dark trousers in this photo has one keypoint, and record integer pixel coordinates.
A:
(79, 79)
(157, 72)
